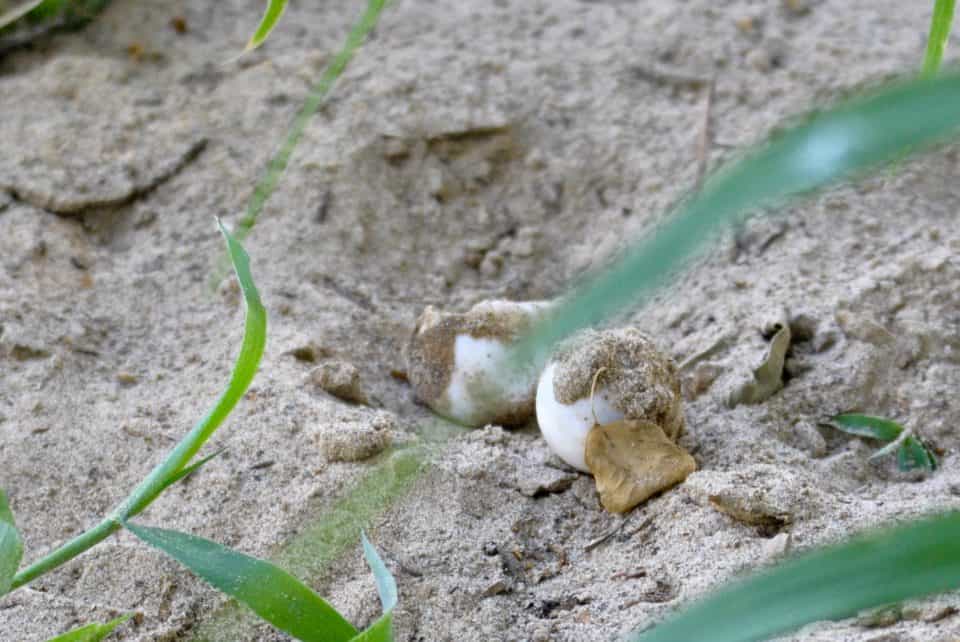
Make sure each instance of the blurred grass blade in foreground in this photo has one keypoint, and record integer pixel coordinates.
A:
(12, 15)
(91, 632)
(831, 145)
(272, 593)
(270, 18)
(937, 39)
(829, 583)
(382, 629)
(11, 546)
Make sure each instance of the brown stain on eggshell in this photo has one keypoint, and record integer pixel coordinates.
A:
(430, 351)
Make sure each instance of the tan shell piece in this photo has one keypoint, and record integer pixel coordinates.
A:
(632, 460)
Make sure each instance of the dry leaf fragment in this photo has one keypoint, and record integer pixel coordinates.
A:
(768, 377)
(632, 460)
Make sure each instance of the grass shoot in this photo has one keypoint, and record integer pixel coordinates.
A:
(911, 452)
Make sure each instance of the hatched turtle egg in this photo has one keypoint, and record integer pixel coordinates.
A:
(628, 377)
(457, 363)
(565, 426)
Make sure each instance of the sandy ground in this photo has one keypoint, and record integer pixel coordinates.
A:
(472, 150)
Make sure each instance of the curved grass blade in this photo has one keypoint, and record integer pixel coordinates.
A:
(272, 593)
(937, 39)
(335, 529)
(189, 470)
(251, 350)
(270, 18)
(386, 584)
(382, 629)
(913, 454)
(849, 138)
(91, 632)
(868, 426)
(169, 470)
(318, 93)
(11, 546)
(12, 15)
(830, 583)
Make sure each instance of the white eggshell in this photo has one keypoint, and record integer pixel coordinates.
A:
(481, 367)
(565, 426)
(461, 366)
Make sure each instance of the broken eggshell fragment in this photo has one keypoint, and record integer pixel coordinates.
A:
(457, 363)
(604, 376)
(609, 404)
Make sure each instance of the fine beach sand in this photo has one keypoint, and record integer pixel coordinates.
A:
(472, 150)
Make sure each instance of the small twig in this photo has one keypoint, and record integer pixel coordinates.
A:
(705, 141)
(603, 538)
(593, 389)
(632, 575)
(668, 76)
(641, 527)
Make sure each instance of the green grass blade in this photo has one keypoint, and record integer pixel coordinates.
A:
(868, 426)
(12, 15)
(318, 93)
(251, 350)
(913, 454)
(91, 632)
(937, 39)
(11, 546)
(189, 470)
(379, 631)
(270, 18)
(272, 593)
(335, 530)
(386, 584)
(382, 629)
(171, 469)
(830, 583)
(852, 137)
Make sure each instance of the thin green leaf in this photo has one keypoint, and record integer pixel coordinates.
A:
(386, 584)
(189, 470)
(849, 138)
(382, 629)
(336, 528)
(270, 18)
(12, 15)
(272, 593)
(11, 546)
(830, 583)
(868, 426)
(91, 632)
(251, 350)
(254, 339)
(379, 631)
(913, 454)
(318, 93)
(937, 39)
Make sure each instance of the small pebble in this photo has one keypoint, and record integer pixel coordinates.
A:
(340, 379)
